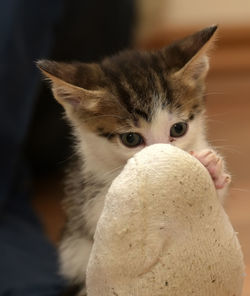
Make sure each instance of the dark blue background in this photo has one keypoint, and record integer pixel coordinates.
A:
(31, 30)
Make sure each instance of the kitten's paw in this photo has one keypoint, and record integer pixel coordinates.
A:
(214, 164)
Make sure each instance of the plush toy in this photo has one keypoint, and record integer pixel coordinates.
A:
(163, 232)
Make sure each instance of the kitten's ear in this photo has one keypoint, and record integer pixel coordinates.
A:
(193, 54)
(74, 85)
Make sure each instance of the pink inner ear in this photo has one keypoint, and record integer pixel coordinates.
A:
(74, 102)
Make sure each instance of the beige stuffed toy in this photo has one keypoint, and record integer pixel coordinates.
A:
(163, 232)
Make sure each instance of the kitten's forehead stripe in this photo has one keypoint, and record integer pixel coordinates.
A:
(137, 75)
(139, 82)
(158, 66)
(123, 95)
(142, 114)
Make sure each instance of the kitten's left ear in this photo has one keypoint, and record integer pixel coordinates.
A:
(76, 86)
(194, 53)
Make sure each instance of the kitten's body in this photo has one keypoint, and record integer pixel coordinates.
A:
(137, 92)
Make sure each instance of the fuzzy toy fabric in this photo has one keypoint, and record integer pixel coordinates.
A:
(163, 232)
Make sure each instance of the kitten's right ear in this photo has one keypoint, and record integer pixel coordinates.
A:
(75, 86)
(190, 55)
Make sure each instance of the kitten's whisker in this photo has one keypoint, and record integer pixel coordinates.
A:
(209, 120)
(217, 140)
(68, 158)
(231, 149)
(111, 172)
(121, 128)
(240, 189)
(183, 105)
(228, 149)
(220, 114)
(214, 93)
(225, 145)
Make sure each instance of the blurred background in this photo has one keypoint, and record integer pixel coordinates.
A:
(90, 30)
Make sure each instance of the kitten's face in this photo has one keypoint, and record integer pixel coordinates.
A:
(135, 99)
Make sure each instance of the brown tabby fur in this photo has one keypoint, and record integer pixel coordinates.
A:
(118, 95)
(126, 84)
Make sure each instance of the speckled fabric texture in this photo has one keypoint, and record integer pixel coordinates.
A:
(164, 232)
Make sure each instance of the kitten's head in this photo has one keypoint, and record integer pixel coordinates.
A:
(135, 99)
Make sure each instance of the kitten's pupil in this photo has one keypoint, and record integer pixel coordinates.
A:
(131, 139)
(178, 129)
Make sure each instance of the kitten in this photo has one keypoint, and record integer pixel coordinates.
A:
(118, 107)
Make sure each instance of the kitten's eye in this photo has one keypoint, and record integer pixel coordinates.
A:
(178, 129)
(131, 139)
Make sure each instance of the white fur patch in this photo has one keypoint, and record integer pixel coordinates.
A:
(159, 131)
(74, 257)
(93, 208)
(106, 159)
